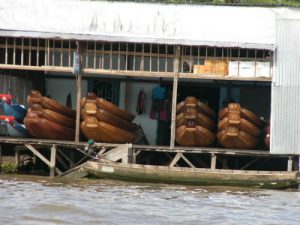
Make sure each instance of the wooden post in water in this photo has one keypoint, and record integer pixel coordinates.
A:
(53, 161)
(174, 96)
(78, 85)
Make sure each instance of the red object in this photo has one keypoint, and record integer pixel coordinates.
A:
(8, 119)
(6, 98)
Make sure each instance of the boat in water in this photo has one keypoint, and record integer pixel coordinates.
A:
(194, 123)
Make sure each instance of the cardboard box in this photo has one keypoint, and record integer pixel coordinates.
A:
(212, 67)
(263, 69)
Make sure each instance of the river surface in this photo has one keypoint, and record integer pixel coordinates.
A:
(41, 200)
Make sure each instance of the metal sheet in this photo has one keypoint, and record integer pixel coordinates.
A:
(285, 106)
(223, 26)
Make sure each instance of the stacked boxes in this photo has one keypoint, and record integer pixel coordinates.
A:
(215, 67)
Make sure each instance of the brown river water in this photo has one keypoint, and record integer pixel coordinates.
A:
(41, 200)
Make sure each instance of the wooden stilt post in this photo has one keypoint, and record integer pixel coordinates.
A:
(17, 157)
(78, 85)
(213, 161)
(53, 161)
(174, 96)
(290, 164)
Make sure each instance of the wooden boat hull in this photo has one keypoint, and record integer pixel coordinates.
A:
(201, 120)
(194, 136)
(109, 107)
(15, 110)
(53, 116)
(234, 120)
(192, 102)
(46, 129)
(232, 137)
(104, 132)
(48, 103)
(244, 113)
(189, 176)
(107, 117)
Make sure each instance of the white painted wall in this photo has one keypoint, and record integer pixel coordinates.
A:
(149, 125)
(59, 88)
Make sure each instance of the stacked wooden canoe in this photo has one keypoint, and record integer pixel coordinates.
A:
(195, 123)
(103, 121)
(48, 119)
(239, 128)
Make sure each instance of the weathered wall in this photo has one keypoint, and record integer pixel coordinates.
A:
(285, 106)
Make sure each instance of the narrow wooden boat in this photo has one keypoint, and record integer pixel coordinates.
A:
(15, 110)
(46, 129)
(104, 132)
(107, 117)
(48, 103)
(109, 107)
(232, 137)
(244, 113)
(234, 120)
(201, 120)
(192, 102)
(187, 176)
(53, 116)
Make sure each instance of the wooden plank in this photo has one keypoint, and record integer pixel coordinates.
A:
(250, 163)
(175, 160)
(6, 51)
(52, 161)
(17, 157)
(71, 162)
(187, 161)
(174, 96)
(14, 53)
(38, 154)
(213, 161)
(118, 153)
(290, 164)
(77, 131)
(38, 52)
(62, 162)
(78, 90)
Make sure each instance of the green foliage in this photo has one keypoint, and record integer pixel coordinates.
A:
(8, 167)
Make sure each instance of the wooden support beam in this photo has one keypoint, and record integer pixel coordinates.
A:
(249, 164)
(213, 161)
(187, 161)
(174, 96)
(71, 162)
(41, 157)
(175, 160)
(52, 161)
(61, 161)
(78, 85)
(290, 164)
(17, 157)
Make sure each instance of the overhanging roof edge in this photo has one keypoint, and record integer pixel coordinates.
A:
(89, 37)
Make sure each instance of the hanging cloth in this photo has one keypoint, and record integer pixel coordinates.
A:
(141, 103)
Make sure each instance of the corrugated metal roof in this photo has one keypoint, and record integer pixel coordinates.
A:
(285, 106)
(222, 26)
